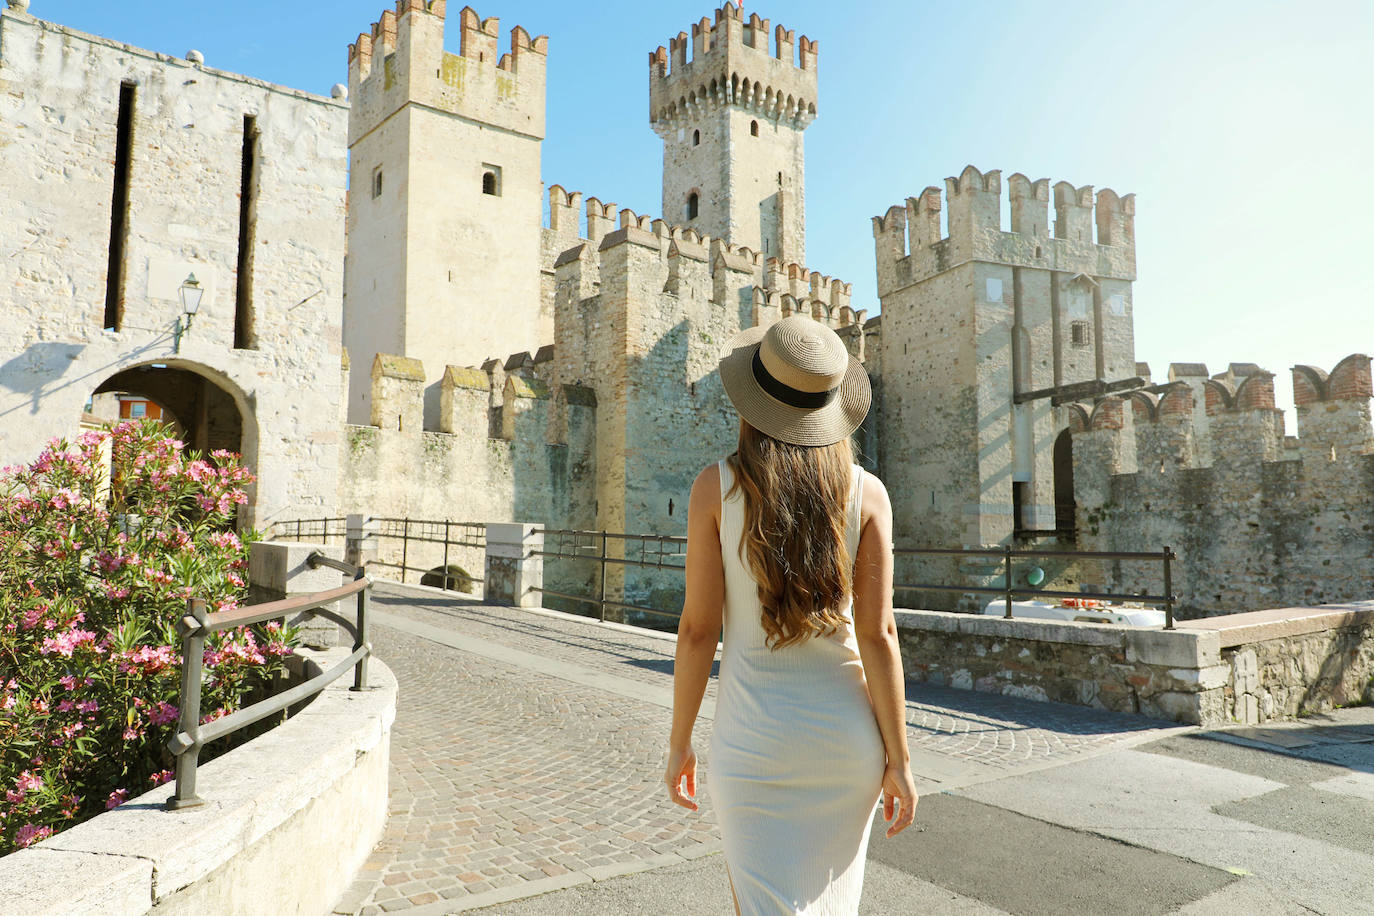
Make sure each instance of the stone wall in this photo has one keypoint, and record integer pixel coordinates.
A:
(1258, 520)
(1245, 668)
(471, 469)
(1175, 674)
(60, 93)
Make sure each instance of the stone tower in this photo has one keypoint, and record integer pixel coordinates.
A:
(731, 119)
(445, 183)
(988, 337)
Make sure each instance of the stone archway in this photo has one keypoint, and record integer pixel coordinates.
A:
(211, 412)
(207, 415)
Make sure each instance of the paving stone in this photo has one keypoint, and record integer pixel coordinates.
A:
(502, 776)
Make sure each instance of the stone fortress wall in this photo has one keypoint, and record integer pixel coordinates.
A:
(1259, 520)
(123, 173)
(592, 400)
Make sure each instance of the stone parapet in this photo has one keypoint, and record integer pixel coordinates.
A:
(1168, 674)
(1248, 668)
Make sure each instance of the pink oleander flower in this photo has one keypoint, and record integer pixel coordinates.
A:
(200, 471)
(160, 777)
(14, 796)
(8, 702)
(235, 580)
(32, 616)
(70, 804)
(66, 642)
(162, 714)
(66, 706)
(117, 798)
(29, 834)
(225, 539)
(114, 591)
(65, 498)
(110, 562)
(148, 660)
(131, 733)
(88, 706)
(29, 782)
(39, 705)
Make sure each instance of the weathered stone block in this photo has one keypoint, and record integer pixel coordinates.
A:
(280, 569)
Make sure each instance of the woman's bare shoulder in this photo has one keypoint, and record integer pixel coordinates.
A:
(706, 488)
(875, 499)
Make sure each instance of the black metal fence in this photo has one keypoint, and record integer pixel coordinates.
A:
(416, 531)
(1010, 592)
(606, 549)
(196, 625)
(315, 530)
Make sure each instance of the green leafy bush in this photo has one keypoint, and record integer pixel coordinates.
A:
(101, 543)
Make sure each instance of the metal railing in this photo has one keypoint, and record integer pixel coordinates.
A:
(309, 529)
(1009, 592)
(655, 551)
(191, 736)
(428, 531)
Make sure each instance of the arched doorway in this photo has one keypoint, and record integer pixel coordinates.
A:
(1065, 505)
(206, 416)
(207, 410)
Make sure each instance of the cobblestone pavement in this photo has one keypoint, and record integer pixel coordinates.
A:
(527, 751)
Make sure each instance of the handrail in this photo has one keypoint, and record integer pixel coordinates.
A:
(1167, 556)
(191, 736)
(598, 542)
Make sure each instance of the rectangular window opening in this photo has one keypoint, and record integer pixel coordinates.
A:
(119, 210)
(377, 182)
(245, 337)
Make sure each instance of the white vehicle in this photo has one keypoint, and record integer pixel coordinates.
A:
(1081, 610)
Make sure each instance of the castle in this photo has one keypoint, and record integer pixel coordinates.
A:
(500, 364)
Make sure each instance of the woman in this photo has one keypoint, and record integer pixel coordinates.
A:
(809, 725)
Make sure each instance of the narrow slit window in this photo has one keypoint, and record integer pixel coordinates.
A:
(753, 128)
(377, 182)
(119, 209)
(693, 204)
(696, 138)
(245, 336)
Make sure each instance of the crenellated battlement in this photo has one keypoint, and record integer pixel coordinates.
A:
(402, 59)
(777, 288)
(731, 62)
(911, 245)
(1244, 429)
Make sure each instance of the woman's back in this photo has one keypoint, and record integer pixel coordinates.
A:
(796, 757)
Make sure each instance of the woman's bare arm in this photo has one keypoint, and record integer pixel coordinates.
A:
(876, 631)
(698, 632)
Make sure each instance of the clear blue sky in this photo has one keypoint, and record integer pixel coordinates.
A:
(1244, 129)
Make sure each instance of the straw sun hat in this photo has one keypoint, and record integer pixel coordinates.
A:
(796, 382)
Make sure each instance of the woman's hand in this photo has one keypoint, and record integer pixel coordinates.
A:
(899, 798)
(682, 768)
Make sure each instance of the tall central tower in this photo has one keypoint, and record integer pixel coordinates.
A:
(731, 119)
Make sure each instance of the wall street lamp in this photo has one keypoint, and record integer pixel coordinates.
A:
(191, 293)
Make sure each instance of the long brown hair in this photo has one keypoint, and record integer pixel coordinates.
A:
(795, 505)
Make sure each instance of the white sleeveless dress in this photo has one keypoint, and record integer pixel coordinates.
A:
(796, 760)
